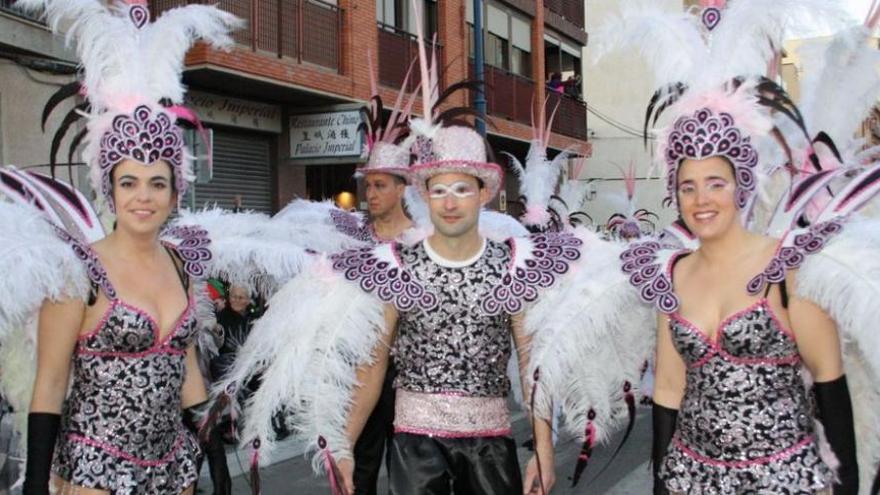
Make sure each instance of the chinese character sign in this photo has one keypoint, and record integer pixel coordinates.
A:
(326, 135)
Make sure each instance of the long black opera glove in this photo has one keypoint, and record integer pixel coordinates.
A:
(41, 436)
(664, 420)
(214, 451)
(835, 413)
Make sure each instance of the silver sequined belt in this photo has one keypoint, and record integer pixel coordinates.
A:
(450, 415)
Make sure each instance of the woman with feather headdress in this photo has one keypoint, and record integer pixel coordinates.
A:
(118, 324)
(740, 312)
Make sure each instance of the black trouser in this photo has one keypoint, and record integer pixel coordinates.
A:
(377, 432)
(423, 465)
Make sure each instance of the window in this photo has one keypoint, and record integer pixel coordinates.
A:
(563, 66)
(400, 15)
(508, 38)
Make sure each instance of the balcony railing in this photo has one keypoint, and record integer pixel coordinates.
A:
(573, 10)
(305, 30)
(571, 118)
(8, 7)
(397, 50)
(508, 95)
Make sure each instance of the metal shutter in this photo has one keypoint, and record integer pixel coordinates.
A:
(242, 165)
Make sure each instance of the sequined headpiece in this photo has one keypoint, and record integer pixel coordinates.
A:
(131, 70)
(441, 142)
(385, 153)
(706, 134)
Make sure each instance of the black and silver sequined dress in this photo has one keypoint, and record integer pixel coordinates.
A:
(745, 425)
(122, 426)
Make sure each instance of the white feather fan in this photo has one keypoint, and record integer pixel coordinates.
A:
(844, 280)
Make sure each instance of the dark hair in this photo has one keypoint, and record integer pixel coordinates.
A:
(171, 180)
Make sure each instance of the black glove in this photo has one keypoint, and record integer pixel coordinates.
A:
(213, 449)
(41, 436)
(835, 413)
(663, 419)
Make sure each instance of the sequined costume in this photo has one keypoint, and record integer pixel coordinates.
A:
(745, 424)
(122, 426)
(452, 349)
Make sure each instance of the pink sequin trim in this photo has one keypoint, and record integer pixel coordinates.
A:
(448, 415)
(454, 434)
(124, 455)
(743, 464)
(719, 332)
(160, 343)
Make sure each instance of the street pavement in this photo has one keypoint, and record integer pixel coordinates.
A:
(628, 474)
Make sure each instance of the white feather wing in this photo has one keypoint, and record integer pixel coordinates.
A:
(248, 248)
(590, 335)
(844, 280)
(841, 83)
(36, 265)
(312, 224)
(318, 329)
(166, 41)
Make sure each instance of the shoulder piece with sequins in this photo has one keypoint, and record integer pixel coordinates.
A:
(379, 271)
(793, 250)
(351, 225)
(94, 268)
(193, 245)
(537, 262)
(649, 266)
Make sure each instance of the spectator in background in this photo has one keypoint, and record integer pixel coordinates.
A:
(573, 86)
(217, 293)
(555, 82)
(236, 318)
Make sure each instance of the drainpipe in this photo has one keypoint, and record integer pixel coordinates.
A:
(479, 72)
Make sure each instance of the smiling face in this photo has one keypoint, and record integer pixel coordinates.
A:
(144, 195)
(384, 193)
(455, 201)
(706, 196)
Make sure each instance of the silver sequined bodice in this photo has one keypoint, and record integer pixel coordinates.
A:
(745, 415)
(455, 347)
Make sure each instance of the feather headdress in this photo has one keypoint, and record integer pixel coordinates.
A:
(385, 153)
(539, 178)
(131, 79)
(441, 140)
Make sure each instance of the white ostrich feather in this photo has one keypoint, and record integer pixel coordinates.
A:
(416, 207)
(248, 248)
(31, 251)
(841, 83)
(125, 65)
(751, 33)
(670, 42)
(499, 226)
(310, 223)
(166, 41)
(590, 334)
(307, 346)
(844, 280)
(36, 266)
(748, 37)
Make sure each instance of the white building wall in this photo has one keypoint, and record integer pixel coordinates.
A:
(618, 88)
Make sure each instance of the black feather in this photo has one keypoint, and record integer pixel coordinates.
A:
(63, 93)
(72, 116)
